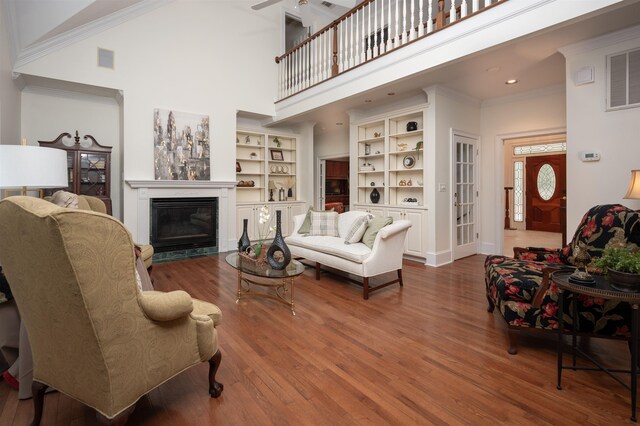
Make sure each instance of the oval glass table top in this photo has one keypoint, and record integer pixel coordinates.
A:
(294, 268)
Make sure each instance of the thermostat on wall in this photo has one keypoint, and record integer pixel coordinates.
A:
(589, 156)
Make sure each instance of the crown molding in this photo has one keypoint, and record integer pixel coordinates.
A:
(41, 49)
(452, 94)
(600, 42)
(10, 21)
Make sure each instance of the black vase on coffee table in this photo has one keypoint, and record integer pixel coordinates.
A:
(278, 255)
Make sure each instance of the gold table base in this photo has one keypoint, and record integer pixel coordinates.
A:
(282, 287)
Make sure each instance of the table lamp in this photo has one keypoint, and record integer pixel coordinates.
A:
(272, 186)
(634, 186)
(32, 167)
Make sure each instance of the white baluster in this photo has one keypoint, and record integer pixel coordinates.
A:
(404, 21)
(463, 9)
(326, 58)
(298, 69)
(421, 21)
(305, 65)
(363, 29)
(396, 39)
(381, 43)
(345, 50)
(369, 42)
(476, 5)
(313, 44)
(288, 71)
(280, 79)
(412, 30)
(429, 16)
(487, 3)
(376, 39)
(389, 27)
(356, 47)
(352, 58)
(452, 12)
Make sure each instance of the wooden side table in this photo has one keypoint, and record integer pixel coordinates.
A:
(602, 289)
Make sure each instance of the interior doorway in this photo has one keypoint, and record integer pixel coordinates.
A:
(336, 184)
(535, 192)
(465, 196)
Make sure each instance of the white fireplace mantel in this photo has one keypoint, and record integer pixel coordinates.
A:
(148, 189)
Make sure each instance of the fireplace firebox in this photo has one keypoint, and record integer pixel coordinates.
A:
(183, 223)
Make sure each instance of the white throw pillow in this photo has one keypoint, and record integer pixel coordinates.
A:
(324, 223)
(357, 229)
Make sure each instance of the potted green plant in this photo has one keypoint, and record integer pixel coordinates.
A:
(622, 265)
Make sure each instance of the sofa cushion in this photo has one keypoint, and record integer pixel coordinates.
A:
(345, 220)
(375, 225)
(357, 229)
(335, 246)
(324, 223)
(306, 223)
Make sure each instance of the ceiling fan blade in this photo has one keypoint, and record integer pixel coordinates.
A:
(264, 4)
(344, 3)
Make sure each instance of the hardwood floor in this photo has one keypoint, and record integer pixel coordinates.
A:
(428, 353)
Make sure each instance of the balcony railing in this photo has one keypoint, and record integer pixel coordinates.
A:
(369, 30)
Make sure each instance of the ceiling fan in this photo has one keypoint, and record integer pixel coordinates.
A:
(306, 13)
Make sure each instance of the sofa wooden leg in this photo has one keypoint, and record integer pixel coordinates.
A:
(365, 288)
(317, 270)
(400, 277)
(491, 305)
(215, 388)
(513, 342)
(37, 390)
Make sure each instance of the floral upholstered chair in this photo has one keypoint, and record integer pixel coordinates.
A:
(527, 299)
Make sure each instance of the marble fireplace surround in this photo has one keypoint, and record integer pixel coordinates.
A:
(148, 189)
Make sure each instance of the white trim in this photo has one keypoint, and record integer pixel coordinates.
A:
(438, 258)
(391, 114)
(601, 42)
(136, 184)
(488, 248)
(43, 48)
(455, 95)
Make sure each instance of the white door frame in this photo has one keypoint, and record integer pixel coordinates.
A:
(452, 185)
(318, 187)
(499, 179)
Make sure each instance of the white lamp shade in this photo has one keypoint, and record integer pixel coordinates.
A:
(634, 186)
(32, 167)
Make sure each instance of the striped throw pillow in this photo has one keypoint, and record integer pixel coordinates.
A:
(324, 223)
(357, 229)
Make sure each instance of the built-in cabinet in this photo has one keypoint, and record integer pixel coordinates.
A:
(390, 171)
(252, 212)
(266, 174)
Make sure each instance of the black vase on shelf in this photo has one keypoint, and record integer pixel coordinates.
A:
(278, 255)
(244, 241)
(375, 196)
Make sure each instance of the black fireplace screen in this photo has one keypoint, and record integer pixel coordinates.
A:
(183, 223)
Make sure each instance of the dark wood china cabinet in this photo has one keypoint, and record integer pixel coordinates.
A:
(88, 164)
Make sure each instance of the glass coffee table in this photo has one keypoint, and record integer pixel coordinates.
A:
(281, 281)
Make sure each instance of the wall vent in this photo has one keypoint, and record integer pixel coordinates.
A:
(327, 4)
(623, 80)
(105, 58)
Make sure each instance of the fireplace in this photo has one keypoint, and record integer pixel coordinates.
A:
(183, 223)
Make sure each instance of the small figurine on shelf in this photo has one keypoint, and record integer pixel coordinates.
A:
(277, 142)
(247, 140)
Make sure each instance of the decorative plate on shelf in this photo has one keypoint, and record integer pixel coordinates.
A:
(409, 161)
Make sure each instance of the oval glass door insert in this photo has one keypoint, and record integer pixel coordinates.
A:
(546, 182)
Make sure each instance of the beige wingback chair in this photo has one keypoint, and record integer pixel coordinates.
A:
(95, 336)
(87, 202)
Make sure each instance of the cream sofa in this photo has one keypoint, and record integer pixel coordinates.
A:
(357, 258)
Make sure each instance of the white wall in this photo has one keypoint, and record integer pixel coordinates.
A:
(529, 113)
(333, 142)
(615, 134)
(9, 91)
(186, 56)
(448, 110)
(47, 112)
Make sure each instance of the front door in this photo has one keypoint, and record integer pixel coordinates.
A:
(545, 187)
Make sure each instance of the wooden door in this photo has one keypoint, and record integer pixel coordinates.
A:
(546, 179)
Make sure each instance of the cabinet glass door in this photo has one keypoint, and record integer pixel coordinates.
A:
(93, 174)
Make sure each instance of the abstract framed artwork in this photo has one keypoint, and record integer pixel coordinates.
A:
(181, 145)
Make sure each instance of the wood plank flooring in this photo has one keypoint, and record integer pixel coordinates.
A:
(428, 353)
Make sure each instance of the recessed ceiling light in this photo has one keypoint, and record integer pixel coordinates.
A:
(339, 123)
(493, 69)
(367, 100)
(391, 93)
(511, 81)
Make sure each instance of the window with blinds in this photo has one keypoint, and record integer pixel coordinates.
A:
(623, 80)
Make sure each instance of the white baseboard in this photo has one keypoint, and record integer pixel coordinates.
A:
(439, 258)
(487, 248)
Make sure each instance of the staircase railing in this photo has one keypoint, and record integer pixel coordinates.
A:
(371, 29)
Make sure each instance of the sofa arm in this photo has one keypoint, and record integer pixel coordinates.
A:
(388, 249)
(546, 283)
(297, 223)
(538, 254)
(160, 306)
(394, 228)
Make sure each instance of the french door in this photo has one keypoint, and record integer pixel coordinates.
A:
(465, 234)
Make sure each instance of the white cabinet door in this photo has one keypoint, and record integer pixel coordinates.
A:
(294, 210)
(415, 244)
(246, 211)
